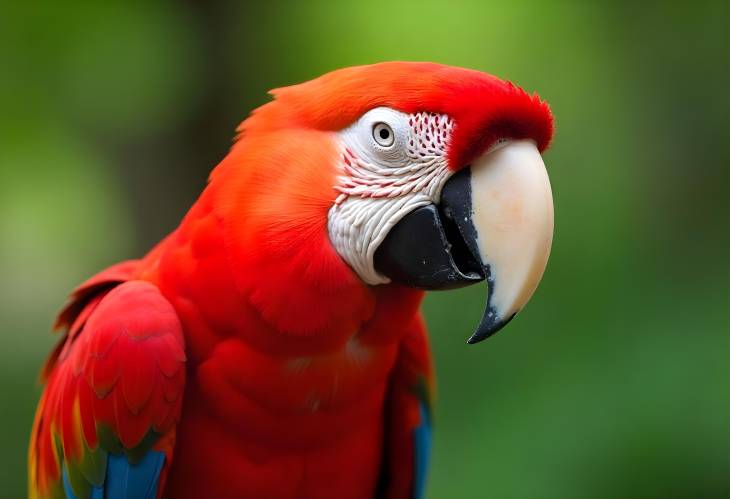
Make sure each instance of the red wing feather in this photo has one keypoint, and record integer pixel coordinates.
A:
(115, 385)
(408, 415)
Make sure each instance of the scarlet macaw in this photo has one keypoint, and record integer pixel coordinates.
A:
(271, 346)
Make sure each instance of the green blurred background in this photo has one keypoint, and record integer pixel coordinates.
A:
(613, 383)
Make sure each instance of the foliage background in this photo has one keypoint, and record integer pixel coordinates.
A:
(614, 382)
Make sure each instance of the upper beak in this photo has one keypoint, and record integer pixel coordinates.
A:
(494, 222)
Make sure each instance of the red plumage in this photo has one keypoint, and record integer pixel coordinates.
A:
(120, 370)
(302, 381)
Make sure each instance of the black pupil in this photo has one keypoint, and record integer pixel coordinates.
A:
(384, 133)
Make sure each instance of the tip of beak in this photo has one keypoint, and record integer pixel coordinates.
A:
(490, 324)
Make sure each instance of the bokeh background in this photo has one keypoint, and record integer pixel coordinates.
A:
(613, 383)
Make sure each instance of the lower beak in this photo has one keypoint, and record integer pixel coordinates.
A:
(494, 222)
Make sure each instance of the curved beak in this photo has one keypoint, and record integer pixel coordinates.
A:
(494, 222)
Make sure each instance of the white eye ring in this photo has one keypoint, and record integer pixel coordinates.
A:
(383, 134)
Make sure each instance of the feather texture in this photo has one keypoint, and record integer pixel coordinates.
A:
(106, 421)
(302, 381)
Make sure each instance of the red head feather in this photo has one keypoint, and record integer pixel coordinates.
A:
(484, 107)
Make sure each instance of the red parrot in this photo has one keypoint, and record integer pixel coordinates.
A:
(272, 346)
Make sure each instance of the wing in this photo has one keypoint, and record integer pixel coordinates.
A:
(409, 418)
(105, 424)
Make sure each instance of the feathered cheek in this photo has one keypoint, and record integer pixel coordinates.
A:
(378, 186)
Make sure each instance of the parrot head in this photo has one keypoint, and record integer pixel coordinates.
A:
(418, 174)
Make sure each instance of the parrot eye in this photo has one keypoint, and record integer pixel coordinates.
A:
(383, 134)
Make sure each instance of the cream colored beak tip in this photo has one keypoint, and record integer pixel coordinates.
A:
(513, 217)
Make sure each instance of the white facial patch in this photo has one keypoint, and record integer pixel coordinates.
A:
(391, 164)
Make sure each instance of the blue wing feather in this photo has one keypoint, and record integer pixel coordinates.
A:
(422, 452)
(133, 481)
(124, 480)
(67, 484)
